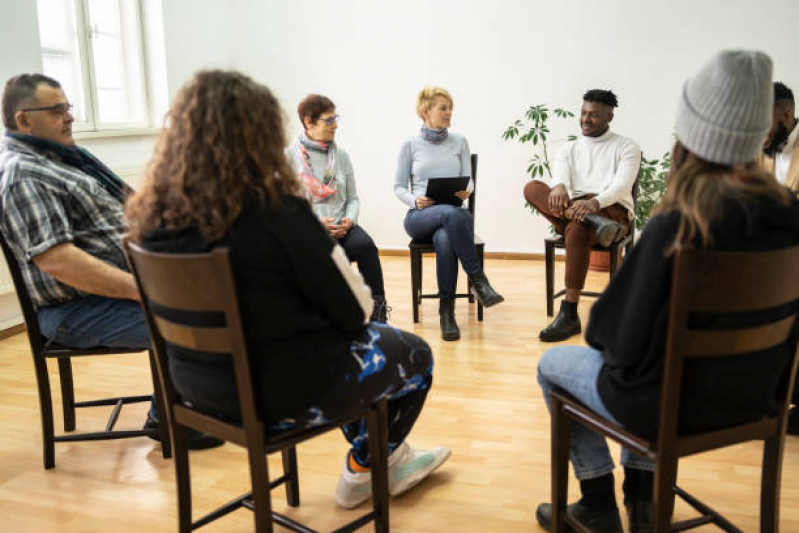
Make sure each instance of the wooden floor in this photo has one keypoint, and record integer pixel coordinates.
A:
(485, 405)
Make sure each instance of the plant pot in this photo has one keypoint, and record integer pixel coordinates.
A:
(599, 261)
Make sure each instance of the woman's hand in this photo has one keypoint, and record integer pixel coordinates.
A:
(464, 194)
(424, 201)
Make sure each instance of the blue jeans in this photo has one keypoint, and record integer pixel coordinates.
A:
(450, 230)
(90, 321)
(575, 369)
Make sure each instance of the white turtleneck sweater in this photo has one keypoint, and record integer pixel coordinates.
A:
(605, 166)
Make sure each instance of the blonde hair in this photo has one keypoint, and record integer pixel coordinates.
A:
(427, 96)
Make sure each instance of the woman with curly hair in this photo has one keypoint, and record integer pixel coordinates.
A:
(437, 153)
(220, 177)
(326, 172)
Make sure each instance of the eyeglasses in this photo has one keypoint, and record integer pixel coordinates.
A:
(57, 109)
(331, 120)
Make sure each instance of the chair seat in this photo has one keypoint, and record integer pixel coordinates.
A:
(427, 247)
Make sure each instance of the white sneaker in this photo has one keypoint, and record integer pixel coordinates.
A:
(406, 468)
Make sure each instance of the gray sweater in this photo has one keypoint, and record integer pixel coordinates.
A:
(344, 203)
(420, 160)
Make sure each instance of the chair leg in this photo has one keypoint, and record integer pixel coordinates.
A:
(560, 437)
(290, 470)
(160, 398)
(615, 255)
(770, 484)
(549, 259)
(261, 497)
(416, 283)
(480, 255)
(377, 428)
(182, 478)
(663, 495)
(67, 392)
(46, 409)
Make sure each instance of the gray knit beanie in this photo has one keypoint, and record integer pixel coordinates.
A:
(725, 109)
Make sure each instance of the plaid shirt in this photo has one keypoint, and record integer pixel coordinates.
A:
(44, 202)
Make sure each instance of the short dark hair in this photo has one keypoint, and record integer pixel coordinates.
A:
(782, 94)
(601, 96)
(313, 106)
(19, 91)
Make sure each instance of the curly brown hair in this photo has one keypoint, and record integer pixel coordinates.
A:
(223, 143)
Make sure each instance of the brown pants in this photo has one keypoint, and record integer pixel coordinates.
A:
(578, 235)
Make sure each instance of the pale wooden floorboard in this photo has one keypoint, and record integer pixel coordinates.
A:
(485, 404)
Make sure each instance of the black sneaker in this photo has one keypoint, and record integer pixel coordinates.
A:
(197, 440)
(640, 514)
(597, 521)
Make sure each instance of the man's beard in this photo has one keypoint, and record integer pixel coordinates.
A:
(778, 141)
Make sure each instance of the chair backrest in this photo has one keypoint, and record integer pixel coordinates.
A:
(28, 312)
(725, 283)
(180, 289)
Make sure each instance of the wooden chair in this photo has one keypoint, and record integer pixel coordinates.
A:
(419, 248)
(551, 243)
(43, 349)
(702, 282)
(201, 285)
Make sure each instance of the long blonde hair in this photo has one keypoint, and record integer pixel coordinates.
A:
(224, 142)
(699, 191)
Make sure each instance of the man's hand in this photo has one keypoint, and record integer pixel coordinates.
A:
(558, 199)
(580, 208)
(424, 201)
(464, 194)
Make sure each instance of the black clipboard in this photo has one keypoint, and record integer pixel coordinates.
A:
(442, 190)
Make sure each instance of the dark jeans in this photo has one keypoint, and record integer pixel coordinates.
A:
(450, 230)
(360, 247)
(385, 362)
(91, 321)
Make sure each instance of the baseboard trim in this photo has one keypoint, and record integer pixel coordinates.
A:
(488, 255)
(13, 330)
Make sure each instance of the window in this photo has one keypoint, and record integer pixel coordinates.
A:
(109, 57)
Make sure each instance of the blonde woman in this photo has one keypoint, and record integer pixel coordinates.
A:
(435, 153)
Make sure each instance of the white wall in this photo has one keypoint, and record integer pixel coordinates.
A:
(496, 58)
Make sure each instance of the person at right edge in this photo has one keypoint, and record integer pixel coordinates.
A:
(717, 198)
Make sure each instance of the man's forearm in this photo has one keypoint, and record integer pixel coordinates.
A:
(74, 267)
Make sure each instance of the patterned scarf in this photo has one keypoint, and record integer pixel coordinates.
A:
(318, 190)
(77, 157)
(433, 136)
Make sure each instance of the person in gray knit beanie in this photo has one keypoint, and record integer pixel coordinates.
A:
(725, 109)
(717, 198)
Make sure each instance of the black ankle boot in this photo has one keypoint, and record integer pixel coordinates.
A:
(483, 290)
(449, 328)
(381, 310)
(638, 487)
(596, 520)
(607, 231)
(566, 324)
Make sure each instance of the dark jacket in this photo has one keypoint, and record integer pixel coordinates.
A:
(629, 322)
(298, 312)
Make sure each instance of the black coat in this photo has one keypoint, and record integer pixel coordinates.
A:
(629, 322)
(298, 312)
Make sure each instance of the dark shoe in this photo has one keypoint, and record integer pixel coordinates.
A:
(793, 421)
(483, 290)
(565, 325)
(640, 514)
(607, 231)
(449, 328)
(597, 521)
(197, 440)
(381, 310)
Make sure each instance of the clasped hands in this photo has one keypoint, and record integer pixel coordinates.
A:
(561, 206)
(339, 231)
(424, 201)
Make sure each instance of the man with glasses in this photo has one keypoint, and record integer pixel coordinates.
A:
(62, 214)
